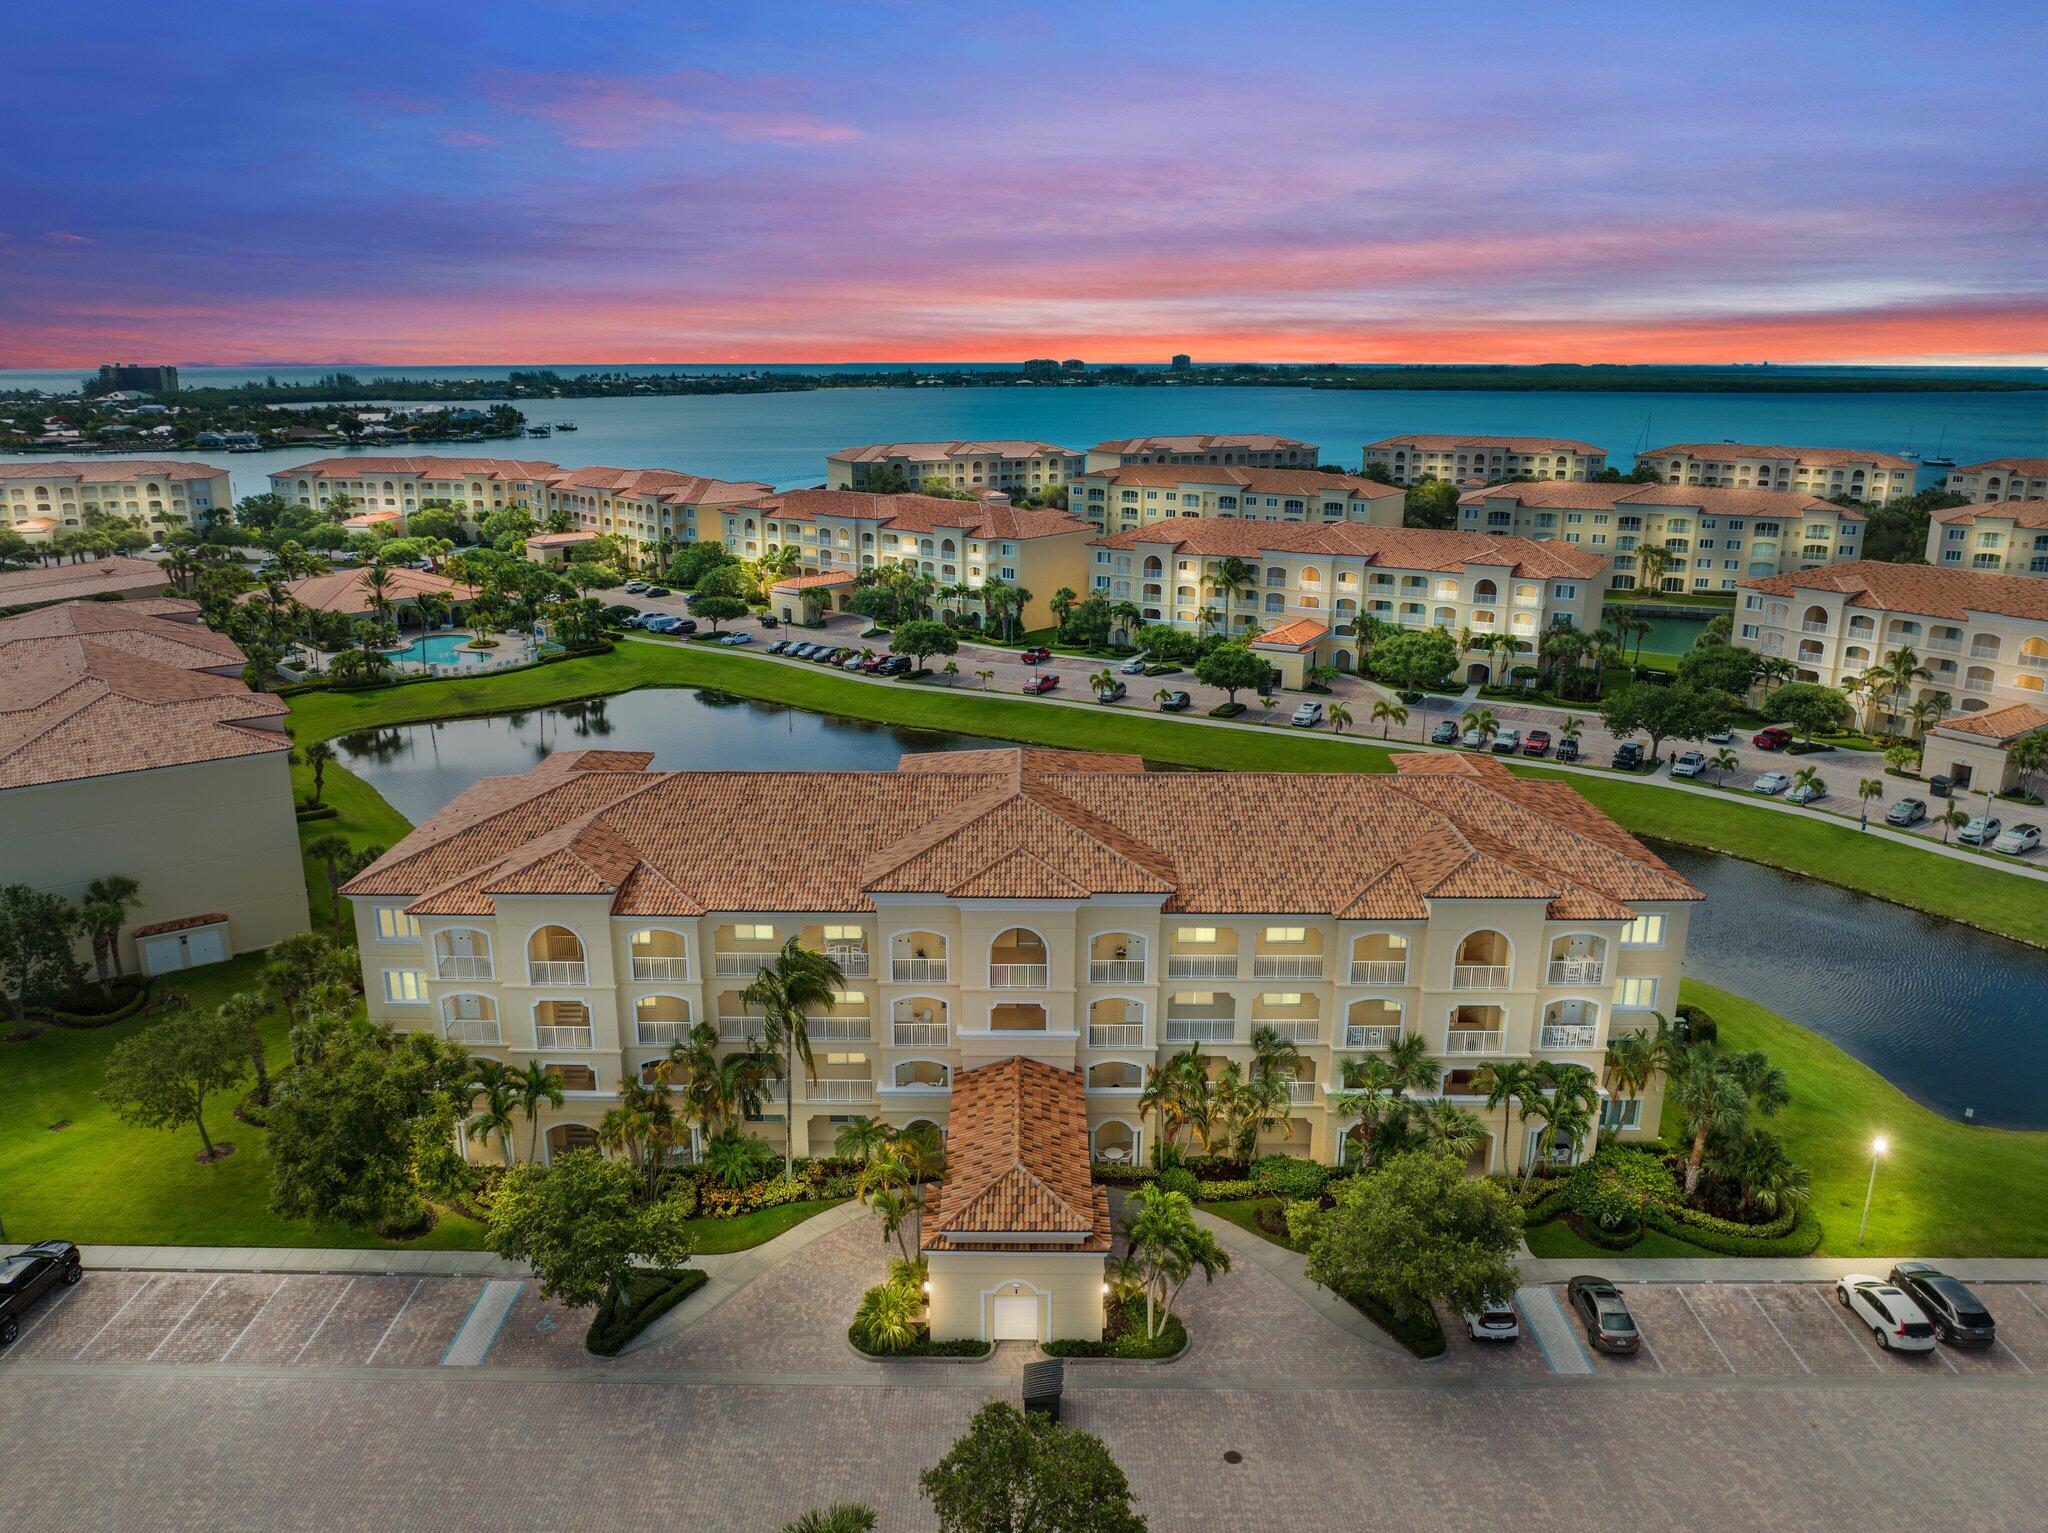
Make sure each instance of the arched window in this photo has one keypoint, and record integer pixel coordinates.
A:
(561, 1025)
(1116, 1142)
(1573, 1024)
(1475, 1030)
(1578, 958)
(661, 1020)
(658, 953)
(1484, 962)
(922, 1075)
(554, 956)
(463, 952)
(1116, 958)
(1116, 1022)
(1116, 1075)
(1017, 960)
(564, 1137)
(1485, 590)
(1374, 1023)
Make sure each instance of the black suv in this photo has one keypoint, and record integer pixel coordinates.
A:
(1959, 1319)
(1628, 756)
(27, 1275)
(1609, 1326)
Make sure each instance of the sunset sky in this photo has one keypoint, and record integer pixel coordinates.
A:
(770, 181)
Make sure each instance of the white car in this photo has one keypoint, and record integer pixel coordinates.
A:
(1498, 1323)
(1806, 793)
(1690, 764)
(156, 548)
(1771, 782)
(1472, 740)
(2018, 841)
(734, 639)
(1895, 1320)
(1135, 666)
(1720, 736)
(1307, 716)
(1980, 831)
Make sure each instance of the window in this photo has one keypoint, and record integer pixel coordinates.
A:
(1193, 934)
(405, 987)
(844, 934)
(1643, 931)
(1621, 1115)
(394, 925)
(1287, 934)
(1636, 993)
(744, 932)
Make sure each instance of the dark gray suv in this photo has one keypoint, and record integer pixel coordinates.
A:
(27, 1275)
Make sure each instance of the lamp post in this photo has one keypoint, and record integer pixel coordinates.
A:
(1876, 1151)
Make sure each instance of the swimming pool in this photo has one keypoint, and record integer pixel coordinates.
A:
(442, 649)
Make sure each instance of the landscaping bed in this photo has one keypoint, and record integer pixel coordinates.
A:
(924, 1346)
(654, 1292)
(88, 1006)
(1123, 1336)
(1421, 1333)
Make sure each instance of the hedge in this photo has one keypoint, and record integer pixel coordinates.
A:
(1798, 1236)
(1422, 1334)
(1226, 1192)
(1116, 1174)
(924, 1346)
(1124, 1336)
(307, 813)
(656, 1292)
(131, 990)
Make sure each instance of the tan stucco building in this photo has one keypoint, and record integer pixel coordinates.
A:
(1118, 499)
(1479, 459)
(128, 745)
(648, 510)
(2000, 479)
(1973, 750)
(1010, 464)
(45, 499)
(475, 487)
(1716, 538)
(2005, 537)
(1237, 449)
(1823, 472)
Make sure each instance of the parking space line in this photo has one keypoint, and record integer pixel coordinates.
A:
(1718, 1352)
(46, 1314)
(2015, 1357)
(243, 1333)
(1779, 1330)
(1841, 1319)
(1653, 1352)
(417, 1285)
(2021, 1290)
(1942, 1352)
(117, 1314)
(1547, 1324)
(190, 1310)
(332, 1306)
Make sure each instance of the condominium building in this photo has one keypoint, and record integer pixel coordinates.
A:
(646, 509)
(2000, 479)
(1018, 466)
(1242, 449)
(1712, 539)
(1308, 584)
(129, 746)
(48, 498)
(2007, 537)
(1477, 459)
(1982, 637)
(475, 487)
(960, 544)
(1117, 499)
(1820, 471)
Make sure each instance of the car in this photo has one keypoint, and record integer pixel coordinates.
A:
(1771, 782)
(684, 625)
(635, 586)
(1808, 793)
(1042, 683)
(1568, 749)
(27, 1275)
(1776, 738)
(657, 591)
(1111, 692)
(1445, 733)
(1957, 1315)
(1472, 740)
(1135, 666)
(1688, 764)
(894, 665)
(854, 662)
(1176, 702)
(1497, 1322)
(1722, 736)
(660, 623)
(1599, 1306)
(1036, 655)
(1894, 1319)
(1538, 743)
(1507, 743)
(742, 637)
(156, 548)
(1628, 756)
(779, 647)
(1307, 716)
(2017, 840)
(869, 664)
(769, 620)
(1907, 811)
(1981, 831)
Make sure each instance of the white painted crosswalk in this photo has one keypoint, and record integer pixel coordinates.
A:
(1552, 1331)
(472, 1344)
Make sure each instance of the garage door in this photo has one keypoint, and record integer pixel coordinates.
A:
(1016, 1319)
(209, 944)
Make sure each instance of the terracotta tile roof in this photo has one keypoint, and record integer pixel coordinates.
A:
(352, 467)
(1003, 826)
(349, 590)
(1923, 589)
(658, 483)
(183, 923)
(2026, 468)
(561, 539)
(1239, 441)
(1719, 500)
(1810, 457)
(2000, 724)
(1302, 633)
(1401, 548)
(74, 582)
(1423, 442)
(921, 513)
(99, 691)
(2024, 513)
(1036, 760)
(1258, 481)
(815, 582)
(1017, 1163)
(930, 452)
(110, 470)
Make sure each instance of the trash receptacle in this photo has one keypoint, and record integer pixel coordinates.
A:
(1042, 1383)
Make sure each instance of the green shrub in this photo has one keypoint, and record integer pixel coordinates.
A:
(86, 1005)
(1618, 1238)
(682, 1191)
(1180, 1179)
(715, 1202)
(1117, 1174)
(1617, 1186)
(1419, 1331)
(1219, 1192)
(1290, 1176)
(886, 1322)
(654, 1292)
(1304, 1215)
(1123, 1335)
(1801, 1238)
(1226, 710)
(310, 812)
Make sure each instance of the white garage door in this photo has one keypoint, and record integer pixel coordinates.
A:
(209, 944)
(185, 949)
(1016, 1319)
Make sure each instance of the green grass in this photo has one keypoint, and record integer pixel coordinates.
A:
(365, 819)
(1243, 1212)
(716, 1237)
(1556, 1239)
(100, 1181)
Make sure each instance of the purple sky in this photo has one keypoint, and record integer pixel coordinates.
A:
(774, 181)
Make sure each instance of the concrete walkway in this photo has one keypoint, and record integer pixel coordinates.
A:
(1290, 1268)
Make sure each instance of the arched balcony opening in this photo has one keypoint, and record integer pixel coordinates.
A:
(1294, 1014)
(1578, 958)
(1116, 958)
(661, 1020)
(918, 1022)
(1200, 1016)
(658, 954)
(1485, 961)
(1017, 960)
(1116, 1075)
(1202, 952)
(554, 956)
(1814, 620)
(737, 1021)
(918, 958)
(462, 952)
(1116, 1022)
(561, 1025)
(1116, 1143)
(1288, 952)
(1017, 1017)
(848, 1020)
(471, 1019)
(1379, 958)
(921, 1075)
(1571, 1024)
(1372, 1024)
(565, 1137)
(1475, 1030)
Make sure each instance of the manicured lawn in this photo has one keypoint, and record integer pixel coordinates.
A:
(99, 1181)
(715, 1237)
(1556, 1239)
(365, 820)
(1242, 1212)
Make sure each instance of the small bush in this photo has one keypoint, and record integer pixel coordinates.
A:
(1420, 1332)
(1614, 1189)
(1219, 1192)
(1695, 1026)
(1180, 1179)
(683, 1193)
(714, 1202)
(1801, 1238)
(1123, 1335)
(84, 1006)
(1226, 710)
(1117, 1174)
(1290, 1176)
(1304, 1218)
(655, 1291)
(311, 812)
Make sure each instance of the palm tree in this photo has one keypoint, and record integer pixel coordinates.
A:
(1722, 762)
(245, 1011)
(985, 677)
(2028, 755)
(1633, 1059)
(1485, 723)
(498, 1086)
(1389, 715)
(1123, 616)
(1170, 1247)
(798, 982)
(1505, 1083)
(1229, 577)
(1564, 1106)
(1809, 777)
(1101, 682)
(1898, 671)
(1868, 789)
(1716, 1089)
(860, 1138)
(1950, 819)
(333, 853)
(537, 1085)
(1924, 712)
(1572, 727)
(1446, 1127)
(119, 892)
(1340, 718)
(315, 757)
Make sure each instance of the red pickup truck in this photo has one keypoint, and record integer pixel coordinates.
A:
(1036, 656)
(1773, 739)
(1044, 681)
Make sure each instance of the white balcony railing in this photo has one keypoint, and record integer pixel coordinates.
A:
(738, 965)
(1939, 646)
(1295, 1032)
(541, 971)
(1200, 1030)
(1379, 971)
(1357, 1036)
(1569, 1035)
(829, 1089)
(1813, 627)
(2035, 662)
(455, 967)
(1287, 968)
(561, 1037)
(661, 968)
(1201, 968)
(1577, 971)
(661, 1034)
(918, 1035)
(1301, 1091)
(1472, 1040)
(1116, 1035)
(1016, 976)
(1116, 971)
(852, 961)
(837, 1029)
(1976, 684)
(738, 1029)
(1479, 976)
(918, 971)
(472, 1030)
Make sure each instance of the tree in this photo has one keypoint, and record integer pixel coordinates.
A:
(1677, 712)
(1950, 819)
(1016, 1472)
(535, 1085)
(1483, 722)
(578, 1225)
(718, 609)
(1633, 1059)
(1506, 1085)
(101, 914)
(1719, 668)
(1810, 708)
(1230, 577)
(1415, 659)
(244, 1011)
(1564, 1104)
(1389, 715)
(36, 957)
(841, 1516)
(796, 983)
(1169, 1248)
(2028, 755)
(1716, 1090)
(495, 1085)
(162, 1076)
(1414, 1230)
(1431, 503)
(1340, 718)
(315, 756)
(1233, 667)
(921, 638)
(1867, 789)
(860, 1138)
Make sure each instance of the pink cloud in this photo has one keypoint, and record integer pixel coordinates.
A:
(620, 111)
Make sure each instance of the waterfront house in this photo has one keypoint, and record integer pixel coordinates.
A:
(1012, 465)
(1239, 449)
(2007, 537)
(47, 498)
(1117, 499)
(1824, 472)
(1481, 459)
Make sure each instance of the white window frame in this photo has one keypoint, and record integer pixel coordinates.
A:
(413, 980)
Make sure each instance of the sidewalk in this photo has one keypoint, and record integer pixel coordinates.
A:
(1290, 1268)
(299, 1259)
(1776, 1269)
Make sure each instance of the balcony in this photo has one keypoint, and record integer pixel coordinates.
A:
(561, 1037)
(1287, 968)
(831, 1089)
(660, 1034)
(472, 1030)
(738, 1029)
(1017, 976)
(852, 961)
(1577, 971)
(1805, 627)
(1479, 976)
(1472, 1040)
(1569, 1035)
(555, 971)
(661, 968)
(465, 968)
(1356, 1037)
(1380, 971)
(918, 1035)
(837, 1029)
(2035, 662)
(1301, 1092)
(739, 965)
(1116, 1035)
(918, 971)
(1201, 968)
(1116, 971)
(1976, 684)
(1939, 646)
(1294, 1032)
(1201, 1030)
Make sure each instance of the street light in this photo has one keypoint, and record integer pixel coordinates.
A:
(1877, 1147)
